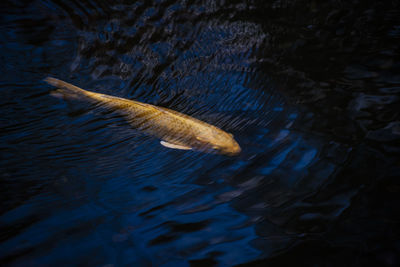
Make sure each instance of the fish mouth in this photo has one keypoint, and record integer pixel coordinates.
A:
(232, 151)
(236, 151)
(228, 151)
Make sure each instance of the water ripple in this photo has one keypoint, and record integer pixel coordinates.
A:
(310, 93)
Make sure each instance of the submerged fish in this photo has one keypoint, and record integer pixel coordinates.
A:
(176, 130)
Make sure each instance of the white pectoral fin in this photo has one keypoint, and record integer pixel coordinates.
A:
(174, 146)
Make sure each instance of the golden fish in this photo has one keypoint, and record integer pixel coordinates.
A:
(176, 130)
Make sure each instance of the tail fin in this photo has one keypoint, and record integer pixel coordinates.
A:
(63, 85)
(65, 89)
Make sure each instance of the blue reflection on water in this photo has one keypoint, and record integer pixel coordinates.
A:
(79, 185)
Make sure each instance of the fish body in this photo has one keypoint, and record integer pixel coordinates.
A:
(176, 130)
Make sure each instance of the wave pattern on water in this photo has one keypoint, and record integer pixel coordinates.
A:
(77, 179)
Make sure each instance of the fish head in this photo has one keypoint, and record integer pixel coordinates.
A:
(228, 147)
(220, 142)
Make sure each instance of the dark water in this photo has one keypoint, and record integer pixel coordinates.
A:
(310, 89)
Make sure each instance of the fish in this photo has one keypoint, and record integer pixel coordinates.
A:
(175, 130)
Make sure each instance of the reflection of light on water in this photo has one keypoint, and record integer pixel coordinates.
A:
(306, 159)
(277, 160)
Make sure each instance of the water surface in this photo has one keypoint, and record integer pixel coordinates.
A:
(309, 89)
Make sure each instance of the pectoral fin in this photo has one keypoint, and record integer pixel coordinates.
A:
(175, 146)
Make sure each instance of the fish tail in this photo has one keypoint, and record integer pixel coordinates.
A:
(66, 89)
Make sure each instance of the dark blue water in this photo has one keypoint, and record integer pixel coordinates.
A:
(311, 91)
